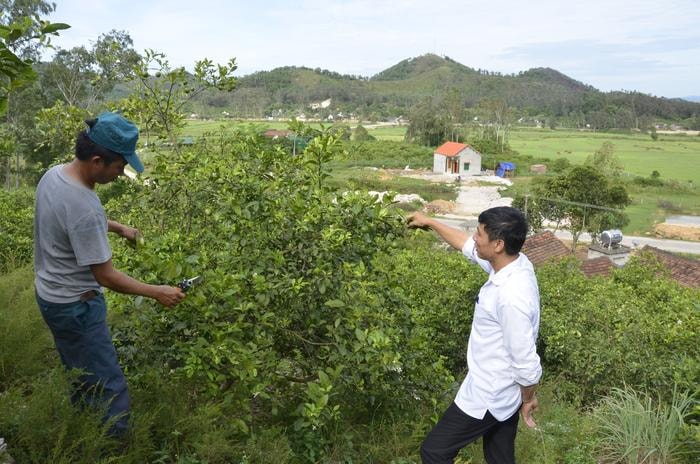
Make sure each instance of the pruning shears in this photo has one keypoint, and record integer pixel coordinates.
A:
(185, 284)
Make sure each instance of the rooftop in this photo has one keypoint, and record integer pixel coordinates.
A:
(686, 271)
(599, 266)
(544, 246)
(450, 148)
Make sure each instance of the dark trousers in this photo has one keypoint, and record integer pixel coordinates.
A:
(455, 430)
(83, 341)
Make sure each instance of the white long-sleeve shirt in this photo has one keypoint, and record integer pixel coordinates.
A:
(501, 353)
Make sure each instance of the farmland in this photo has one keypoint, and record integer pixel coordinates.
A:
(675, 157)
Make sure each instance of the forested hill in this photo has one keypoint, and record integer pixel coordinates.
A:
(392, 92)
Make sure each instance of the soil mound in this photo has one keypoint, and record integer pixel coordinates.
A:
(440, 207)
(677, 232)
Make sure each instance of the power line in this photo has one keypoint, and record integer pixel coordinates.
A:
(576, 203)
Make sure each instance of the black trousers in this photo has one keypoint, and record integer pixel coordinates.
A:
(455, 430)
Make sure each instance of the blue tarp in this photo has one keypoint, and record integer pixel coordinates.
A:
(503, 167)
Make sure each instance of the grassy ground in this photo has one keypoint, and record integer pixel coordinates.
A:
(674, 156)
(197, 128)
(40, 425)
(395, 133)
(650, 205)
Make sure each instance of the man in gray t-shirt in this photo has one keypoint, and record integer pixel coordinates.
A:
(73, 262)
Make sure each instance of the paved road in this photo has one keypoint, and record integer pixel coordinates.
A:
(675, 246)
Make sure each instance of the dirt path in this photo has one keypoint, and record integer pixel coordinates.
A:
(476, 193)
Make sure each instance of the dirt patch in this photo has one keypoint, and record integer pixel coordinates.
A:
(440, 207)
(677, 232)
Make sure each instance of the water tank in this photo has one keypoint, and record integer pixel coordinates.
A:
(611, 238)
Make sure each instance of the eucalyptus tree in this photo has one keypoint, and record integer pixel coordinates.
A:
(84, 76)
(23, 33)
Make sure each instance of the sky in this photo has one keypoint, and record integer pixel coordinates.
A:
(647, 46)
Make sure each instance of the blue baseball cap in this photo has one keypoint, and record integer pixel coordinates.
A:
(114, 132)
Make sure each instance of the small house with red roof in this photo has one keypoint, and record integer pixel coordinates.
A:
(456, 158)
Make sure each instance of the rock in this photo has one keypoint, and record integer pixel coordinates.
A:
(5, 457)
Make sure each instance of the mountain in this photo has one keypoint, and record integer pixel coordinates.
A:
(693, 98)
(429, 63)
(538, 92)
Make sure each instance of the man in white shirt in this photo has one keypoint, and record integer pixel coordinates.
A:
(504, 367)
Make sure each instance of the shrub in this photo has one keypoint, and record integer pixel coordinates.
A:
(291, 316)
(636, 328)
(26, 347)
(16, 223)
(560, 164)
(386, 153)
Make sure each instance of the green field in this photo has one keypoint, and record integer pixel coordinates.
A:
(395, 133)
(197, 128)
(674, 156)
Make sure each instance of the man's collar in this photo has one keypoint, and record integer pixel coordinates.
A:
(501, 276)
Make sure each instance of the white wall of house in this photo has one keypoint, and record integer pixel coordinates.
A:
(469, 162)
(468, 159)
(439, 163)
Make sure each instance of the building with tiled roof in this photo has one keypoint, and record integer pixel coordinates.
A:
(684, 270)
(599, 266)
(544, 246)
(456, 158)
(274, 133)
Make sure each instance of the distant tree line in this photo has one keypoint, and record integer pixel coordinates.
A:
(542, 96)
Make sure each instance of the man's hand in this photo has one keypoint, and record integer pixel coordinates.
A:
(130, 233)
(418, 221)
(167, 295)
(127, 232)
(527, 409)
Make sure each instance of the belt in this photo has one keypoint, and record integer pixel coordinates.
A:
(89, 295)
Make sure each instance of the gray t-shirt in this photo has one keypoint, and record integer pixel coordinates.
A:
(70, 234)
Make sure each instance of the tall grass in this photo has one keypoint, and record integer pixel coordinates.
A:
(633, 429)
(26, 346)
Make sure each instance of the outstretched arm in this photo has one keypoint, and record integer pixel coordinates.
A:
(107, 276)
(455, 237)
(127, 232)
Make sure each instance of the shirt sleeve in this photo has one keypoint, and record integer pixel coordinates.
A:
(518, 311)
(469, 251)
(88, 238)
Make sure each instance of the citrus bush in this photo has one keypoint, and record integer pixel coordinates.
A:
(637, 328)
(16, 233)
(292, 323)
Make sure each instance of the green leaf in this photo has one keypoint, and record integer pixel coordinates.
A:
(335, 304)
(54, 27)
